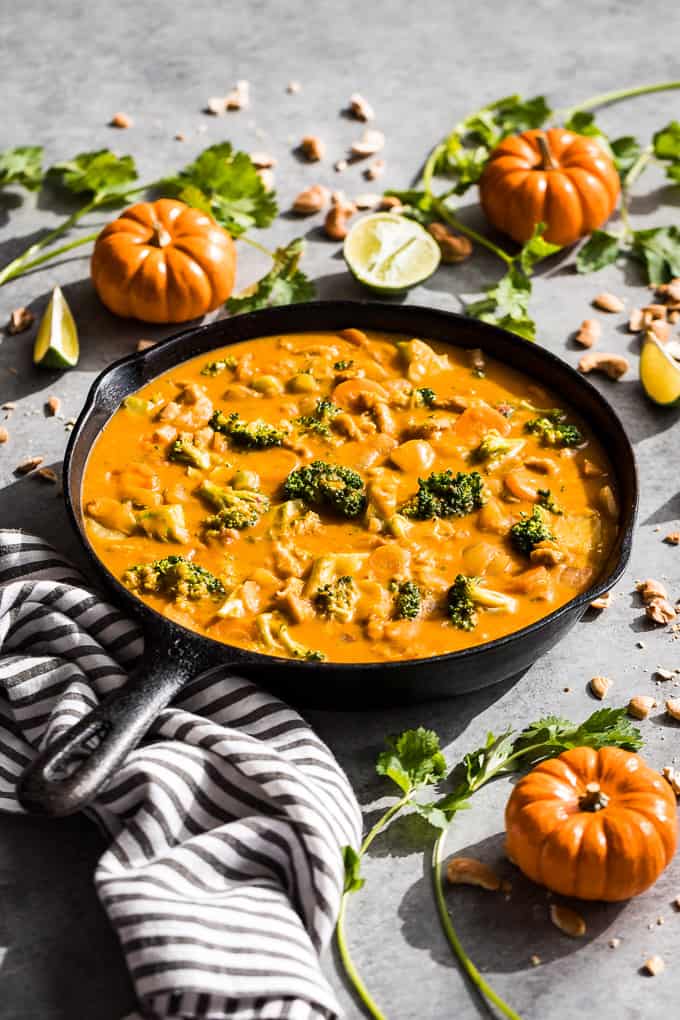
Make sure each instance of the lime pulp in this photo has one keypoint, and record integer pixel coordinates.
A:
(390, 253)
(56, 344)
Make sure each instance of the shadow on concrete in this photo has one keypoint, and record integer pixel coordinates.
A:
(59, 946)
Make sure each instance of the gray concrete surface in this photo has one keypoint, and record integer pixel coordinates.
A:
(67, 68)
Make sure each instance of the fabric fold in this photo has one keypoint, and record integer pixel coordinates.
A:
(224, 872)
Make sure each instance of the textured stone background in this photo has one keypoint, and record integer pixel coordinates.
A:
(66, 68)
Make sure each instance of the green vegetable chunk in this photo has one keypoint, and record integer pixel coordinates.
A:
(254, 435)
(553, 430)
(338, 599)
(185, 451)
(329, 485)
(443, 494)
(408, 600)
(175, 577)
(466, 594)
(236, 508)
(530, 530)
(320, 420)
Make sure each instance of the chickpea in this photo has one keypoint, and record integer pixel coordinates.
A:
(267, 384)
(303, 382)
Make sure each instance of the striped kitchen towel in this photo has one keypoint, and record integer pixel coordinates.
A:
(224, 872)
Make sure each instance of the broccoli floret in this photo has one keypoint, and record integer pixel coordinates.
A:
(255, 435)
(338, 599)
(274, 634)
(217, 367)
(466, 593)
(320, 420)
(237, 508)
(407, 600)
(553, 430)
(547, 501)
(443, 494)
(331, 485)
(425, 397)
(185, 451)
(530, 530)
(165, 523)
(342, 366)
(494, 447)
(175, 577)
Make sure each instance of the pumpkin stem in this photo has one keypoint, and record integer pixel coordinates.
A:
(594, 799)
(161, 238)
(548, 161)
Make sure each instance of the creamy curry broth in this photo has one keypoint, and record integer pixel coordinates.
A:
(402, 409)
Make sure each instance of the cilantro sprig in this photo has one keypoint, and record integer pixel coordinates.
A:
(22, 166)
(225, 184)
(414, 762)
(284, 284)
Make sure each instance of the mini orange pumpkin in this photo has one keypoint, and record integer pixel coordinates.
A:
(163, 262)
(598, 825)
(556, 177)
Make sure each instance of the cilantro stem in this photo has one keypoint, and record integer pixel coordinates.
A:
(605, 98)
(349, 967)
(450, 932)
(25, 267)
(454, 222)
(255, 244)
(21, 263)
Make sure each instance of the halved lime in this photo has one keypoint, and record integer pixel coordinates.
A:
(56, 345)
(659, 371)
(390, 253)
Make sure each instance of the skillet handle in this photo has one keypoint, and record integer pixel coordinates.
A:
(68, 773)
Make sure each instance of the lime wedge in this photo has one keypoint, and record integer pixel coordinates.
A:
(56, 345)
(659, 372)
(390, 253)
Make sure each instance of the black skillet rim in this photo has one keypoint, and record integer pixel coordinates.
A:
(142, 611)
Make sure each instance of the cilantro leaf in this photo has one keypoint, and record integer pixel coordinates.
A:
(535, 249)
(658, 248)
(412, 759)
(23, 166)
(352, 862)
(582, 122)
(666, 142)
(625, 153)
(225, 184)
(417, 205)
(103, 174)
(284, 284)
(507, 304)
(522, 115)
(607, 727)
(601, 249)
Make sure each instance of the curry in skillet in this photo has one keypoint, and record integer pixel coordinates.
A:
(348, 496)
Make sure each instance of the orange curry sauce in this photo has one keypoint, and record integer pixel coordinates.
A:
(402, 409)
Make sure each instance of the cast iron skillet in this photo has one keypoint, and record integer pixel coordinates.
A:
(69, 773)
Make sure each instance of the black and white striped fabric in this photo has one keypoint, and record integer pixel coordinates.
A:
(224, 873)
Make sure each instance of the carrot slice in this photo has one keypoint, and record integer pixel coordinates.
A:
(348, 394)
(478, 420)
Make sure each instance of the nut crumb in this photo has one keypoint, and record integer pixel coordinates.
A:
(650, 589)
(660, 920)
(589, 333)
(375, 169)
(654, 965)
(359, 108)
(661, 330)
(312, 148)
(672, 538)
(180, 136)
(340, 165)
(641, 705)
(4, 434)
(46, 475)
(293, 88)
(614, 943)
(607, 302)
(262, 160)
(636, 320)
(143, 345)
(311, 200)
(660, 611)
(673, 708)
(367, 201)
(20, 320)
(370, 144)
(470, 871)
(9, 406)
(567, 920)
(53, 406)
(613, 365)
(603, 602)
(121, 120)
(26, 466)
(239, 97)
(453, 247)
(663, 674)
(600, 686)
(535, 960)
(390, 203)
